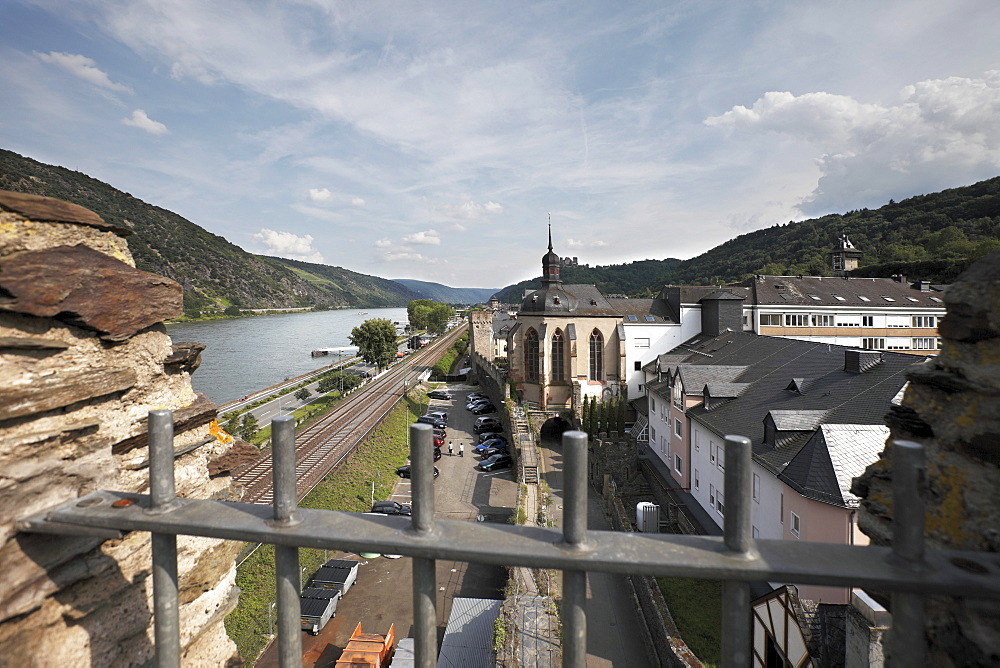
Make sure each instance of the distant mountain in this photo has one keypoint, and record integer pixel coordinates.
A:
(214, 272)
(442, 293)
(933, 237)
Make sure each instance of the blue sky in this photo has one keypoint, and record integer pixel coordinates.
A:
(432, 140)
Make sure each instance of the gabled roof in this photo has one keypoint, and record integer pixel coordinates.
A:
(696, 377)
(825, 466)
(769, 365)
(832, 291)
(796, 420)
(723, 390)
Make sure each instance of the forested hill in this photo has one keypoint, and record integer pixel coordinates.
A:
(933, 237)
(214, 272)
(443, 293)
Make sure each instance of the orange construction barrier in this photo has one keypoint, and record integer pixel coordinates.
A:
(368, 650)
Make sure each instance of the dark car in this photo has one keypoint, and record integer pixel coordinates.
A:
(404, 471)
(390, 508)
(485, 436)
(432, 420)
(493, 450)
(439, 394)
(484, 424)
(497, 461)
(491, 443)
(437, 453)
(479, 409)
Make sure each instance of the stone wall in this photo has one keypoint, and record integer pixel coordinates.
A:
(952, 406)
(84, 357)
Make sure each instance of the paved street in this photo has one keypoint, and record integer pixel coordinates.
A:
(383, 592)
(613, 635)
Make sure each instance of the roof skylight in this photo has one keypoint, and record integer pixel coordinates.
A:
(815, 298)
(863, 298)
(888, 299)
(839, 298)
(935, 299)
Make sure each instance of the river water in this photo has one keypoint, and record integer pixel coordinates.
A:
(243, 355)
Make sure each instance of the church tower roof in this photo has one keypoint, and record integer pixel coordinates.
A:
(550, 265)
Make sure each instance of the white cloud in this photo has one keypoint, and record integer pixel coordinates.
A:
(427, 237)
(357, 201)
(577, 243)
(383, 243)
(867, 153)
(320, 194)
(288, 245)
(140, 120)
(403, 255)
(468, 210)
(82, 67)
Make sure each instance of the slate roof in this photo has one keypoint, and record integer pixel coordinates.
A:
(825, 466)
(769, 365)
(575, 298)
(645, 311)
(821, 291)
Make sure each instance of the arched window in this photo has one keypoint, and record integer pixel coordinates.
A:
(558, 357)
(531, 355)
(596, 356)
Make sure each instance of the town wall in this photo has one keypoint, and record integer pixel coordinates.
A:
(84, 357)
(952, 406)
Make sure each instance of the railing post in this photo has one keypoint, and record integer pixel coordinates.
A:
(737, 629)
(286, 558)
(907, 645)
(424, 576)
(574, 615)
(166, 618)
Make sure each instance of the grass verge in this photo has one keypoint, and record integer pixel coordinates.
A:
(696, 606)
(347, 488)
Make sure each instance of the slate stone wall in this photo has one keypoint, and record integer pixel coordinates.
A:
(952, 406)
(84, 357)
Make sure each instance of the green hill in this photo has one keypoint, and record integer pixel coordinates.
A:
(442, 293)
(214, 272)
(933, 237)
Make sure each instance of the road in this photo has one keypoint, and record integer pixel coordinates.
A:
(383, 592)
(613, 635)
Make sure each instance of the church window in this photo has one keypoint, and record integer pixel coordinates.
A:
(531, 355)
(558, 357)
(596, 355)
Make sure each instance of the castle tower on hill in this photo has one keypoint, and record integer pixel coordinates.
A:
(844, 258)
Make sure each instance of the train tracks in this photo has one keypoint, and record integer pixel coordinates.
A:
(323, 445)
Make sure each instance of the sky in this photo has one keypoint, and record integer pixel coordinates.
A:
(435, 140)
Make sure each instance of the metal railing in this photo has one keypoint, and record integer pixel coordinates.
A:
(737, 558)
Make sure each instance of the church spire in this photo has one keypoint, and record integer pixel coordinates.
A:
(550, 263)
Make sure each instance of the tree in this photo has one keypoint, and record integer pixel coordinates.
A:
(303, 394)
(376, 341)
(248, 428)
(232, 310)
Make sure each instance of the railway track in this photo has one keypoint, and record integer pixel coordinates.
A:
(323, 445)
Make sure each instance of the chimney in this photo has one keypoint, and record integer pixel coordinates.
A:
(859, 361)
(925, 286)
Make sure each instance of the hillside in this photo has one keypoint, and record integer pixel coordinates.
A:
(214, 272)
(632, 278)
(447, 295)
(932, 236)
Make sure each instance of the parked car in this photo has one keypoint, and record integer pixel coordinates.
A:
(404, 471)
(438, 441)
(497, 461)
(441, 415)
(493, 450)
(391, 508)
(432, 420)
(476, 395)
(440, 394)
(437, 453)
(487, 435)
(484, 424)
(484, 408)
(492, 443)
(440, 433)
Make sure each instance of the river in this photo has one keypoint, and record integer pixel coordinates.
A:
(247, 354)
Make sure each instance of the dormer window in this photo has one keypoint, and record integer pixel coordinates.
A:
(534, 298)
(555, 300)
(593, 302)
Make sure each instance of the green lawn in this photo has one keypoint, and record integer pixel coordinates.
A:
(696, 606)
